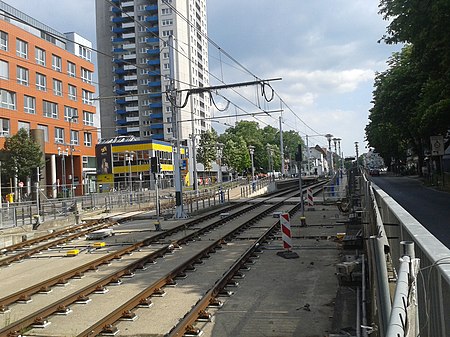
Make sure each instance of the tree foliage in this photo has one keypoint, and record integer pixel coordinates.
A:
(21, 154)
(412, 97)
(207, 151)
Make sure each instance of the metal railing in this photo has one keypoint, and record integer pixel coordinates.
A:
(386, 220)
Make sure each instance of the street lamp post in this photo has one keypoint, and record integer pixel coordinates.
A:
(357, 154)
(63, 154)
(329, 136)
(129, 159)
(72, 140)
(270, 168)
(251, 148)
(220, 147)
(335, 140)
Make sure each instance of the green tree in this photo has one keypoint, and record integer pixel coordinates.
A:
(21, 155)
(207, 150)
(235, 153)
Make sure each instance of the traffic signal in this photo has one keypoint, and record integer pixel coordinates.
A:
(155, 167)
(299, 154)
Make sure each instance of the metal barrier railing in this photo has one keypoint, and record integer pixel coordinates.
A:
(388, 221)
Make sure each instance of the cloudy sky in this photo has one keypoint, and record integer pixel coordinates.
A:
(325, 52)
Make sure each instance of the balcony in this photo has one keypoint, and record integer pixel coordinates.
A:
(118, 19)
(154, 62)
(118, 50)
(120, 111)
(156, 126)
(131, 88)
(127, 4)
(128, 25)
(129, 35)
(152, 40)
(121, 122)
(119, 71)
(155, 95)
(151, 8)
(157, 136)
(155, 51)
(120, 92)
(132, 108)
(115, 9)
(152, 30)
(153, 18)
(118, 40)
(120, 81)
(133, 129)
(131, 98)
(154, 73)
(155, 105)
(130, 78)
(132, 119)
(122, 131)
(154, 84)
(157, 115)
(129, 46)
(129, 57)
(118, 30)
(121, 101)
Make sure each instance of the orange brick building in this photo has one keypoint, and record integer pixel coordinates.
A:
(46, 84)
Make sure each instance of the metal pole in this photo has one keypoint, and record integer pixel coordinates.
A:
(282, 149)
(179, 212)
(1, 203)
(71, 156)
(308, 154)
(251, 148)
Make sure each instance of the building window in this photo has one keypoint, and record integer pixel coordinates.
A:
(56, 63)
(4, 127)
(71, 69)
(87, 139)
(41, 82)
(4, 70)
(72, 92)
(59, 135)
(22, 75)
(166, 11)
(50, 109)
(88, 118)
(3, 40)
(84, 52)
(29, 104)
(8, 99)
(21, 48)
(167, 22)
(74, 139)
(23, 125)
(87, 97)
(69, 113)
(57, 87)
(166, 33)
(45, 129)
(86, 75)
(39, 54)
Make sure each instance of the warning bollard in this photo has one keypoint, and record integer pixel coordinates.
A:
(310, 197)
(286, 236)
(303, 221)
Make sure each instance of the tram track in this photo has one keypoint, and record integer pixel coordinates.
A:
(107, 323)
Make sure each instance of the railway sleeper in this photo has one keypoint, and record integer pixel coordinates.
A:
(158, 292)
(192, 331)
(128, 315)
(40, 323)
(215, 303)
(83, 299)
(109, 330)
(63, 310)
(116, 281)
(171, 283)
(101, 290)
(4, 309)
(24, 299)
(204, 316)
(145, 303)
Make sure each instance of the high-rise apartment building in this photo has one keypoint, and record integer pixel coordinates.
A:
(46, 88)
(134, 66)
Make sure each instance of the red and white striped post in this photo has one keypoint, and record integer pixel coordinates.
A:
(286, 233)
(310, 197)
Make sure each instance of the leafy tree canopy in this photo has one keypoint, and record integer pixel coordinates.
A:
(21, 154)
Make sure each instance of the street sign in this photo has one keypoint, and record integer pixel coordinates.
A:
(437, 145)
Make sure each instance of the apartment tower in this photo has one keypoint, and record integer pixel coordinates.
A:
(134, 67)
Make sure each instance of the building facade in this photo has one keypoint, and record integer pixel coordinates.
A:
(134, 67)
(46, 88)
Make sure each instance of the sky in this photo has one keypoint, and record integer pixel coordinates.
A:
(322, 56)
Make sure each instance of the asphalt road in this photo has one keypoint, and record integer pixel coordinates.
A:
(429, 206)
